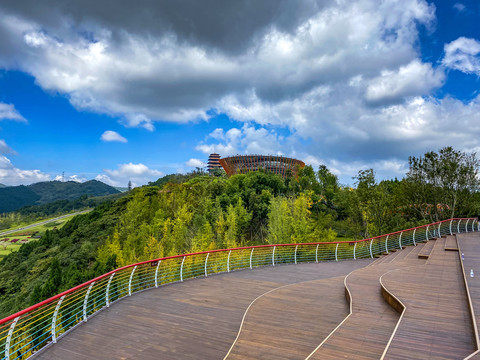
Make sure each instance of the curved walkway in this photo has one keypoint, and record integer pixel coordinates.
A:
(200, 318)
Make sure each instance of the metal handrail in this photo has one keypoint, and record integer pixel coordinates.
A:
(26, 332)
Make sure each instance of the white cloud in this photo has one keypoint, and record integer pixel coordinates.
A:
(112, 136)
(459, 7)
(10, 175)
(463, 54)
(413, 79)
(76, 178)
(194, 163)
(139, 174)
(5, 149)
(8, 112)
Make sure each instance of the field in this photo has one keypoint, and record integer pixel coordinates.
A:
(12, 242)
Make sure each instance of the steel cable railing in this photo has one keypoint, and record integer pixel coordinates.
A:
(26, 332)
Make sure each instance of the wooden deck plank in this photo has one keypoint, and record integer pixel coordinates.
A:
(436, 322)
(196, 319)
(365, 334)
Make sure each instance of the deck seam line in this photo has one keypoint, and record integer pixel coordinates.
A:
(258, 297)
(336, 328)
(401, 303)
(470, 304)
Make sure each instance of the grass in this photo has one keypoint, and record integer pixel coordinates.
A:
(25, 235)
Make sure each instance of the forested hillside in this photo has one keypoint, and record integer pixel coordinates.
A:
(200, 212)
(15, 197)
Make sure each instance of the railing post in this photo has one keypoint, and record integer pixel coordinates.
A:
(296, 247)
(458, 226)
(400, 240)
(181, 269)
(426, 232)
(85, 301)
(54, 320)
(228, 261)
(273, 256)
(9, 338)
(156, 274)
(206, 261)
(466, 224)
(386, 244)
(414, 231)
(451, 221)
(371, 254)
(473, 225)
(316, 254)
(107, 292)
(130, 281)
(336, 252)
(439, 230)
(251, 254)
(354, 250)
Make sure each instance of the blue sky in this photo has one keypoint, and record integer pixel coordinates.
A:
(133, 95)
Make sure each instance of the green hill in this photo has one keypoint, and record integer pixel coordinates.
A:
(15, 197)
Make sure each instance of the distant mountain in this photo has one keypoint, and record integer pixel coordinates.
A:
(16, 197)
(2, 186)
(121, 189)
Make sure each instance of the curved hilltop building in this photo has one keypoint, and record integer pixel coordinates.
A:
(241, 164)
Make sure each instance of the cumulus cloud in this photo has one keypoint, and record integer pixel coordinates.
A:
(463, 54)
(194, 163)
(413, 79)
(139, 174)
(8, 112)
(109, 136)
(10, 175)
(76, 178)
(5, 149)
(279, 48)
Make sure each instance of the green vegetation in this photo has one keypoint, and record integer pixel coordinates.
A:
(15, 197)
(197, 212)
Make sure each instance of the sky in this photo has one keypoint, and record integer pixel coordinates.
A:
(118, 90)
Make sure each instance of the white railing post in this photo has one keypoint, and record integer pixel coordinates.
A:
(473, 225)
(107, 292)
(228, 261)
(400, 240)
(439, 230)
(296, 247)
(85, 301)
(206, 261)
(273, 256)
(386, 244)
(466, 225)
(156, 274)
(371, 254)
(336, 252)
(354, 250)
(414, 231)
(458, 226)
(54, 320)
(130, 281)
(426, 232)
(181, 269)
(251, 255)
(316, 254)
(9, 338)
(451, 221)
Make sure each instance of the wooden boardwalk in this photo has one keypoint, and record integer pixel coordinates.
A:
(299, 312)
(436, 323)
(196, 319)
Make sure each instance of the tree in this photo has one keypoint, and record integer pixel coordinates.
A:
(441, 184)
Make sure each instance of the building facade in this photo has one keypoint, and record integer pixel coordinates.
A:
(213, 162)
(241, 164)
